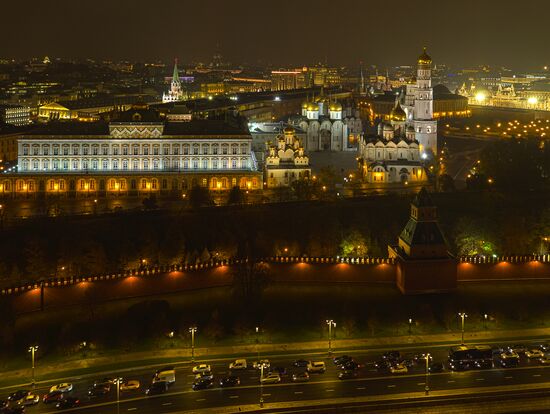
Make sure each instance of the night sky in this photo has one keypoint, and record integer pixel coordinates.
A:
(285, 32)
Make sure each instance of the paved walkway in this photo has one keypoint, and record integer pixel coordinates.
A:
(104, 363)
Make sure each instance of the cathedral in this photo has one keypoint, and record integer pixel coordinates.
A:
(175, 93)
(328, 126)
(394, 154)
(286, 162)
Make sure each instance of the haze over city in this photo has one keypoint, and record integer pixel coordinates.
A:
(465, 33)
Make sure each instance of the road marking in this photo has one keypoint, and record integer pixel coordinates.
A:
(508, 377)
(536, 375)
(298, 392)
(391, 386)
(420, 383)
(132, 409)
(168, 403)
(480, 379)
(329, 390)
(201, 399)
(361, 388)
(267, 395)
(233, 396)
(451, 381)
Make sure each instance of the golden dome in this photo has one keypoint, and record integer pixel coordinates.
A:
(288, 130)
(313, 107)
(305, 105)
(335, 107)
(398, 114)
(424, 58)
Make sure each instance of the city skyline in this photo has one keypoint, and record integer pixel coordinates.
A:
(298, 35)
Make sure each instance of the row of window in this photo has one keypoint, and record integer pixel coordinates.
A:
(145, 149)
(137, 165)
(120, 184)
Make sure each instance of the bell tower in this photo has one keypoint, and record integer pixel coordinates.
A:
(424, 125)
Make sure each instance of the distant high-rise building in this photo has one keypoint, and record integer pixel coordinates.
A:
(175, 93)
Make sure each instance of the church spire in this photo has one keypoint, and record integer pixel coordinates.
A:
(175, 75)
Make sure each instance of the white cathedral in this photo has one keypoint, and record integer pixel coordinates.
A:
(396, 153)
(175, 93)
(328, 126)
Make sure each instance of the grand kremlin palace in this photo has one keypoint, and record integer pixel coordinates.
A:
(141, 153)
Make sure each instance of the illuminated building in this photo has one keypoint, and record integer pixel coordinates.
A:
(537, 97)
(392, 155)
(287, 79)
(328, 126)
(286, 161)
(175, 93)
(140, 153)
(17, 115)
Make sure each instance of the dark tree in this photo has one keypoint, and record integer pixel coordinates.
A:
(250, 280)
(236, 196)
(200, 197)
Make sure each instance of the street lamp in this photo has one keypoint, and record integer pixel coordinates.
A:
(193, 330)
(462, 316)
(32, 350)
(262, 365)
(118, 380)
(410, 325)
(331, 324)
(258, 342)
(485, 316)
(427, 388)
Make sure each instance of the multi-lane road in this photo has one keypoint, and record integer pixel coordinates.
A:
(321, 387)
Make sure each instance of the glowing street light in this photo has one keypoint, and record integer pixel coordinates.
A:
(193, 330)
(118, 380)
(485, 316)
(32, 350)
(410, 325)
(427, 388)
(462, 315)
(331, 324)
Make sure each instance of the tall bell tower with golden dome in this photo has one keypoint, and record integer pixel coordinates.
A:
(425, 126)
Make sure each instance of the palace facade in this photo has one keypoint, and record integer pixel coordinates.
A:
(142, 152)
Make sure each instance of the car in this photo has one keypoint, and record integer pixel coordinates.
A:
(198, 369)
(391, 355)
(279, 370)
(127, 385)
(159, 387)
(63, 387)
(300, 377)
(53, 396)
(301, 363)
(545, 347)
(4, 403)
(508, 359)
(436, 367)
(98, 390)
(399, 369)
(408, 362)
(498, 350)
(68, 402)
(350, 366)
(238, 364)
(106, 380)
(483, 363)
(347, 374)
(168, 368)
(545, 360)
(518, 348)
(459, 365)
(201, 384)
(28, 400)
(382, 365)
(509, 354)
(205, 375)
(534, 353)
(271, 378)
(316, 366)
(230, 381)
(103, 383)
(258, 364)
(18, 395)
(341, 360)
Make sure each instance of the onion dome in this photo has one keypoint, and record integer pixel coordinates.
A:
(313, 107)
(398, 114)
(288, 130)
(335, 107)
(424, 58)
(388, 127)
(305, 104)
(410, 128)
